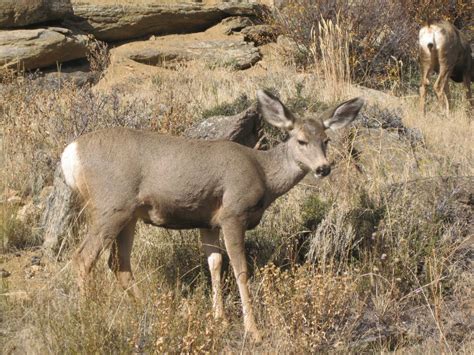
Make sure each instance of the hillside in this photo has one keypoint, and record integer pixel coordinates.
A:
(376, 257)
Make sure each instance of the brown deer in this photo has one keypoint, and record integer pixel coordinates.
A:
(124, 175)
(444, 50)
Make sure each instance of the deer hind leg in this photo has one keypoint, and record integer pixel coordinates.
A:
(210, 245)
(234, 234)
(441, 87)
(102, 234)
(119, 260)
(425, 81)
(467, 83)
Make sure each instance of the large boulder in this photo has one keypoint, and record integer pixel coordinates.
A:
(42, 47)
(170, 50)
(111, 22)
(18, 13)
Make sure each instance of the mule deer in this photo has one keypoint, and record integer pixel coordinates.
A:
(444, 50)
(177, 183)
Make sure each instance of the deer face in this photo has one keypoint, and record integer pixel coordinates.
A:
(308, 140)
(308, 144)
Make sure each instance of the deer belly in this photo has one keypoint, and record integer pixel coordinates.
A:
(254, 218)
(175, 218)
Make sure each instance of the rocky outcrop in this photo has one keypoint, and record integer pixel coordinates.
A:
(243, 128)
(18, 13)
(169, 50)
(108, 22)
(58, 214)
(235, 24)
(37, 48)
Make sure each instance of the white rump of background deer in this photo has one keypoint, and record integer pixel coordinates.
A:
(444, 50)
(124, 175)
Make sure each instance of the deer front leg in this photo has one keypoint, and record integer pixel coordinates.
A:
(210, 245)
(234, 234)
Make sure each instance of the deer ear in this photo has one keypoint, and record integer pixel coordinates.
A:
(342, 114)
(274, 112)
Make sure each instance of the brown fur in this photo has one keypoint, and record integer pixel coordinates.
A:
(179, 183)
(448, 53)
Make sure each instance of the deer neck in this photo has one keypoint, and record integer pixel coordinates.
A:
(282, 172)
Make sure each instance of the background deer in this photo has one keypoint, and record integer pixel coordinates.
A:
(444, 50)
(124, 175)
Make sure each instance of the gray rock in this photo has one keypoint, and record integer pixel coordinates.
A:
(119, 22)
(234, 54)
(38, 48)
(18, 13)
(4, 273)
(58, 215)
(235, 24)
(243, 128)
(57, 79)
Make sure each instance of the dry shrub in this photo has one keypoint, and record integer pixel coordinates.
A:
(308, 309)
(38, 122)
(168, 322)
(98, 56)
(382, 33)
(14, 233)
(458, 12)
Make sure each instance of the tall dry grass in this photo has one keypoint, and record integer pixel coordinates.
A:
(330, 50)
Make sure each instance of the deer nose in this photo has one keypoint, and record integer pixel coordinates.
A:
(323, 170)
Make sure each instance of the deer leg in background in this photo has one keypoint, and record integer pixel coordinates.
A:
(467, 83)
(440, 87)
(234, 234)
(210, 245)
(119, 260)
(424, 82)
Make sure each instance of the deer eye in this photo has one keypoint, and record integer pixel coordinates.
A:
(301, 142)
(326, 141)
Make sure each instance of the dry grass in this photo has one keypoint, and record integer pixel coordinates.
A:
(374, 260)
(330, 50)
(132, 2)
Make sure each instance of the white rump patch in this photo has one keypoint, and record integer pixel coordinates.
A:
(431, 34)
(426, 37)
(70, 164)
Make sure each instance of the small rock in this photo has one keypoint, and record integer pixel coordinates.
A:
(4, 273)
(36, 260)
